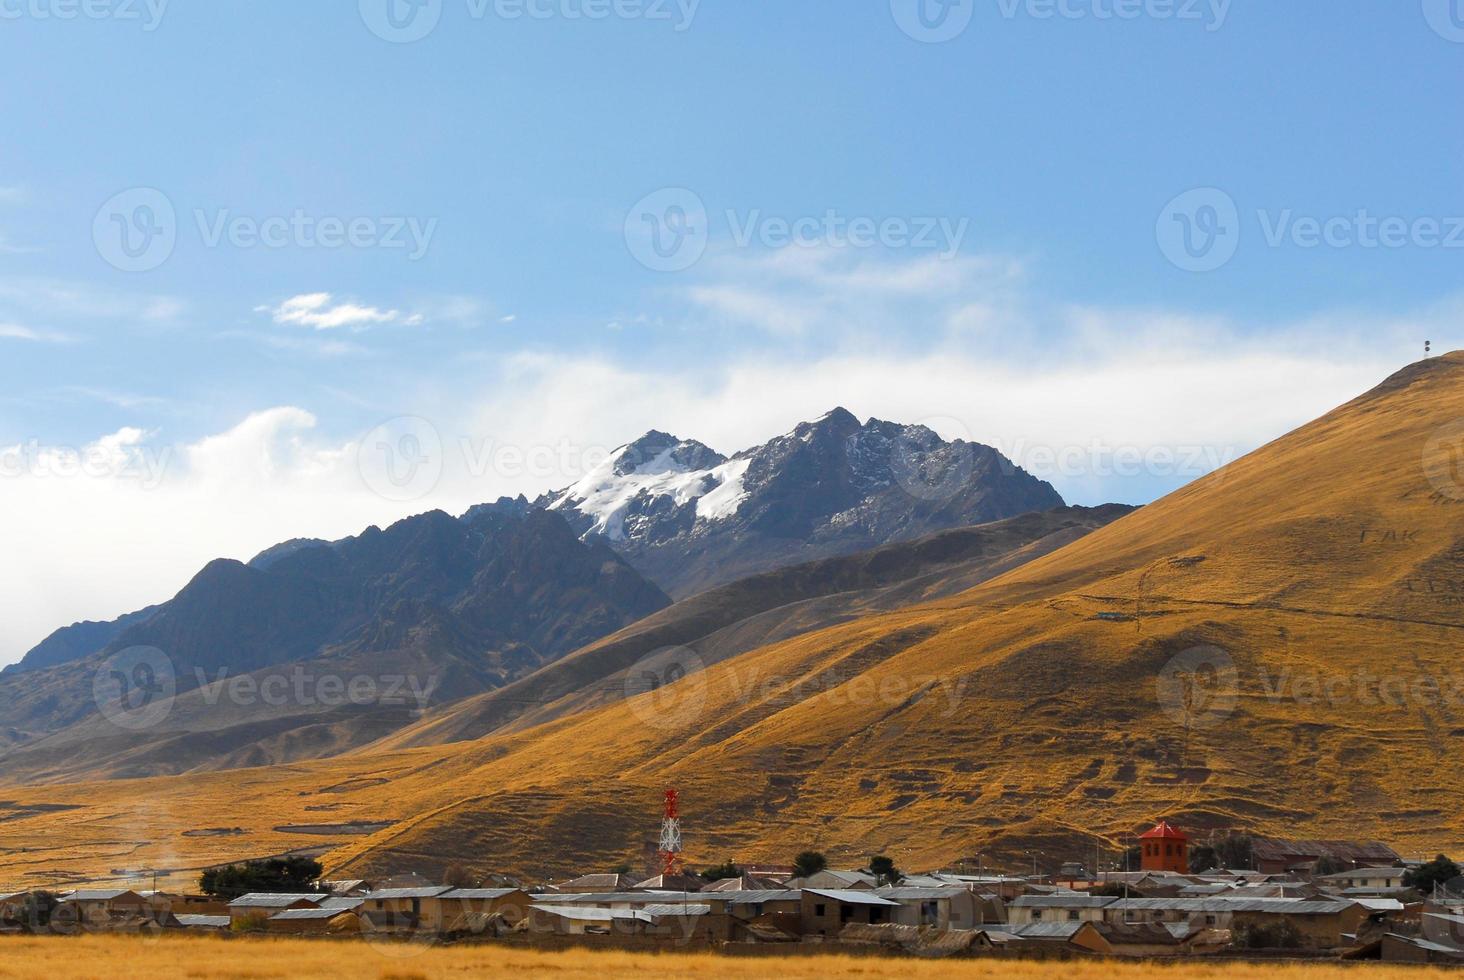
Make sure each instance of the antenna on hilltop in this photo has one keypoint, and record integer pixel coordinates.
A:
(1428, 348)
(671, 834)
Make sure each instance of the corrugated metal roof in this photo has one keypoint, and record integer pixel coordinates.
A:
(691, 908)
(388, 894)
(97, 895)
(850, 896)
(623, 898)
(1288, 906)
(910, 893)
(756, 897)
(203, 921)
(1457, 920)
(1046, 930)
(1427, 944)
(1364, 873)
(275, 900)
(583, 914)
(481, 894)
(342, 903)
(1063, 901)
(1379, 904)
(293, 915)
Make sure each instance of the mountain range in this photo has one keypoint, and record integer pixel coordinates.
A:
(1272, 648)
(471, 604)
(689, 518)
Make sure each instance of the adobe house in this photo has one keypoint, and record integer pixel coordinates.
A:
(826, 912)
(313, 921)
(259, 906)
(1164, 849)
(1321, 925)
(95, 908)
(395, 910)
(1057, 908)
(475, 910)
(180, 904)
(945, 907)
(1275, 855)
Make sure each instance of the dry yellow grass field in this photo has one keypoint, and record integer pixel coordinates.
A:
(125, 958)
(1031, 711)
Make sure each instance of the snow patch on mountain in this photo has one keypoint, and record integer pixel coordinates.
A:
(608, 493)
(731, 491)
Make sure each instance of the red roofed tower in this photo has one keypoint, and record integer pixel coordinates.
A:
(1164, 849)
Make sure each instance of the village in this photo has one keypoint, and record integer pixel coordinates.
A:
(1298, 899)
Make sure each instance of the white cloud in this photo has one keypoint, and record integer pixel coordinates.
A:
(59, 298)
(321, 312)
(999, 367)
(14, 331)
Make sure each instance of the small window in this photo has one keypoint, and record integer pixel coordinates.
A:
(818, 910)
(1073, 916)
(1036, 914)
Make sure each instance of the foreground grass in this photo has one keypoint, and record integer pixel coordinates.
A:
(128, 957)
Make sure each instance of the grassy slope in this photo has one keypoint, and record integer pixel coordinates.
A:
(124, 958)
(1006, 714)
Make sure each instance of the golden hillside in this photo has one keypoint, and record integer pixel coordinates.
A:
(1052, 703)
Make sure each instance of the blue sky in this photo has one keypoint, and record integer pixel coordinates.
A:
(1047, 306)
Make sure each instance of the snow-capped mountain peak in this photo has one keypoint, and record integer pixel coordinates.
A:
(656, 471)
(689, 518)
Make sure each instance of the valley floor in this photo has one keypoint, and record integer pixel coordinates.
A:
(127, 957)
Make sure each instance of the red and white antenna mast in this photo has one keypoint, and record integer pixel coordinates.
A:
(671, 834)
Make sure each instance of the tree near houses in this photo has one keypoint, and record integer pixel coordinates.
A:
(722, 872)
(1233, 851)
(457, 875)
(883, 868)
(290, 874)
(1439, 871)
(1202, 858)
(809, 863)
(35, 912)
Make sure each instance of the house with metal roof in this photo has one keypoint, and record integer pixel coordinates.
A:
(1065, 907)
(1363, 879)
(398, 911)
(826, 911)
(314, 921)
(257, 907)
(580, 920)
(202, 923)
(1319, 923)
(480, 911)
(598, 883)
(98, 908)
(943, 907)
